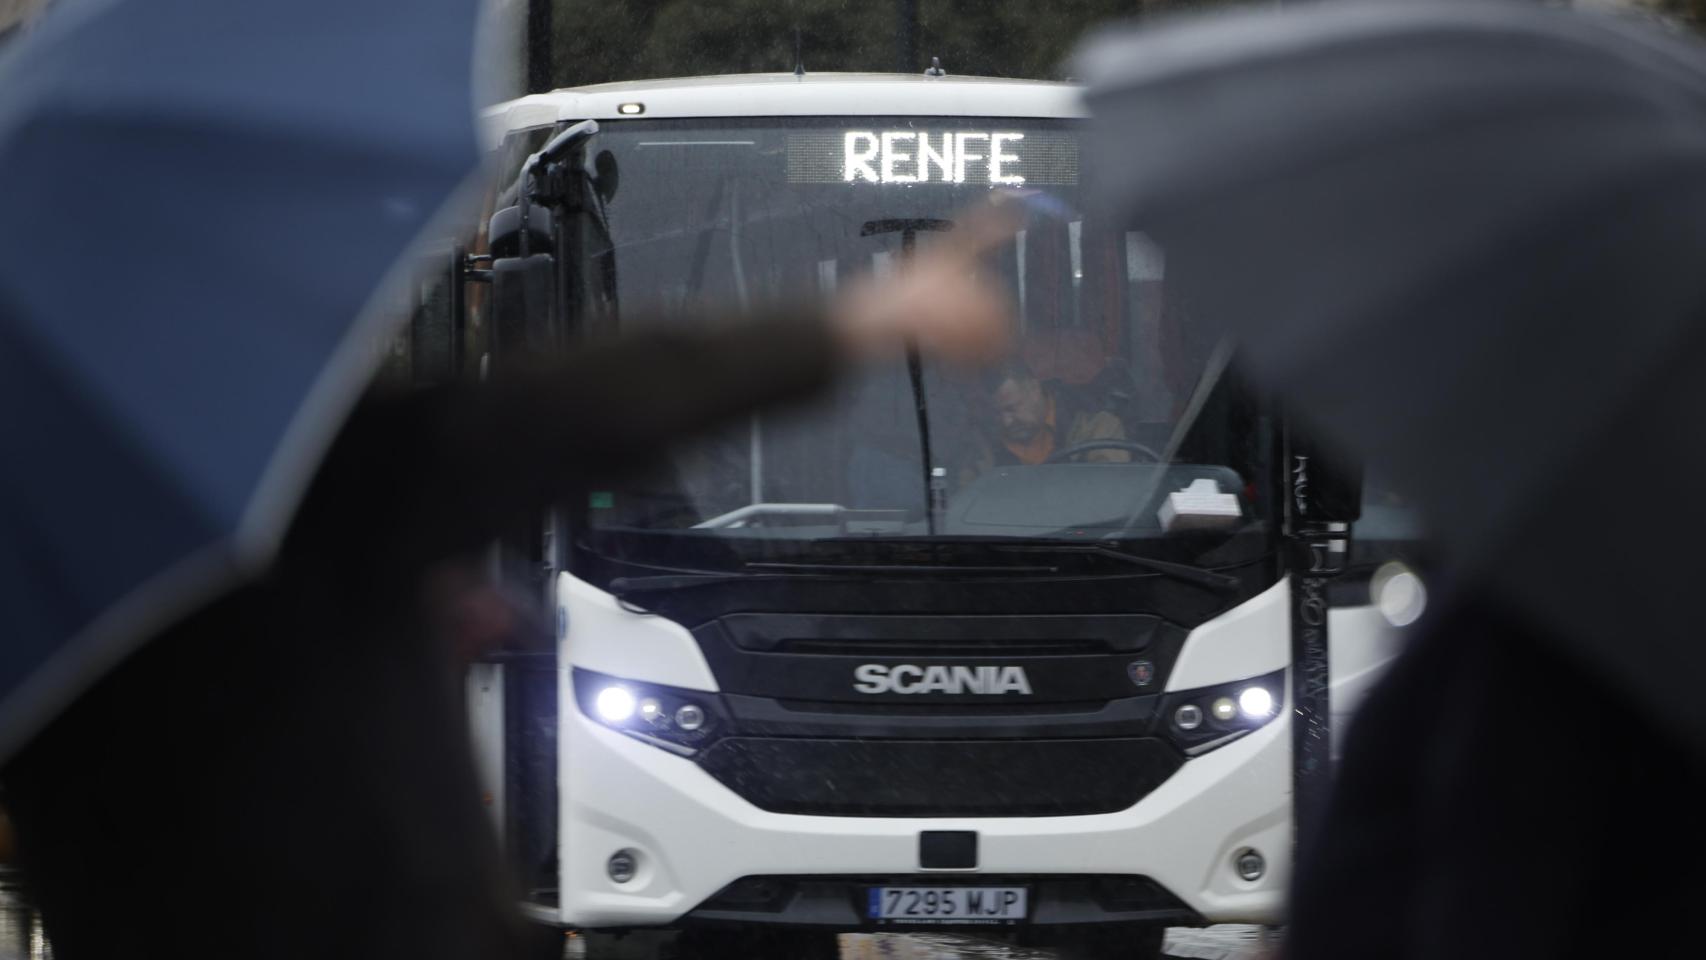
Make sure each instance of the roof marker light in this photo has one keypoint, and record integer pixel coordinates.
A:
(630, 109)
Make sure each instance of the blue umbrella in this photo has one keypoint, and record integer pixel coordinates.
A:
(200, 199)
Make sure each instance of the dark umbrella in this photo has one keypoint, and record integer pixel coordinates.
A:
(1464, 239)
(201, 199)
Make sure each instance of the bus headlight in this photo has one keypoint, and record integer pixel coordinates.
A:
(1255, 703)
(690, 717)
(615, 704)
(1398, 593)
(681, 721)
(1188, 716)
(1208, 717)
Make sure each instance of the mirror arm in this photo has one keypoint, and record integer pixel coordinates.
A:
(568, 137)
(476, 268)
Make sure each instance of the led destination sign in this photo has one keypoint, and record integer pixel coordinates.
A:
(978, 157)
(903, 156)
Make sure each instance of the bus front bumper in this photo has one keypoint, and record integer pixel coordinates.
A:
(700, 852)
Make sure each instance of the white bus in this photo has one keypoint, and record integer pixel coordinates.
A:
(1008, 650)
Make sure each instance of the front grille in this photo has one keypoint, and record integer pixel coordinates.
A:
(903, 709)
(941, 778)
(942, 635)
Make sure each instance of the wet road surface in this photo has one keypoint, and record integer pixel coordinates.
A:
(21, 938)
(1213, 943)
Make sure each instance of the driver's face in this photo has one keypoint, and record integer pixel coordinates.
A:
(1021, 407)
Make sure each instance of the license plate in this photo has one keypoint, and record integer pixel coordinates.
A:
(947, 904)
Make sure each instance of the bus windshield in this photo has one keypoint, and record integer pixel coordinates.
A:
(1110, 401)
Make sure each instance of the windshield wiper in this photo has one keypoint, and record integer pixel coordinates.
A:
(908, 229)
(1219, 582)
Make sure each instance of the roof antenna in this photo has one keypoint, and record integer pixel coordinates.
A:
(935, 69)
(799, 58)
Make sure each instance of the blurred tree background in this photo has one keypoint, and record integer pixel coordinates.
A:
(597, 42)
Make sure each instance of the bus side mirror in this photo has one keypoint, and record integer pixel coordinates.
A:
(523, 312)
(504, 231)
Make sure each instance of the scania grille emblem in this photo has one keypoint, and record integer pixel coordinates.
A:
(907, 678)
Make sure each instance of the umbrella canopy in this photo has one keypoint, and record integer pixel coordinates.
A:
(1463, 239)
(201, 199)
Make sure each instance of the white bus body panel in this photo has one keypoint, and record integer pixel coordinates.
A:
(1361, 644)
(603, 637)
(785, 95)
(694, 836)
(484, 692)
(1239, 643)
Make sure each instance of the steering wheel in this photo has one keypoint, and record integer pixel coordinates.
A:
(1064, 455)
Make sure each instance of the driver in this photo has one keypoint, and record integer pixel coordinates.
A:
(1036, 419)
